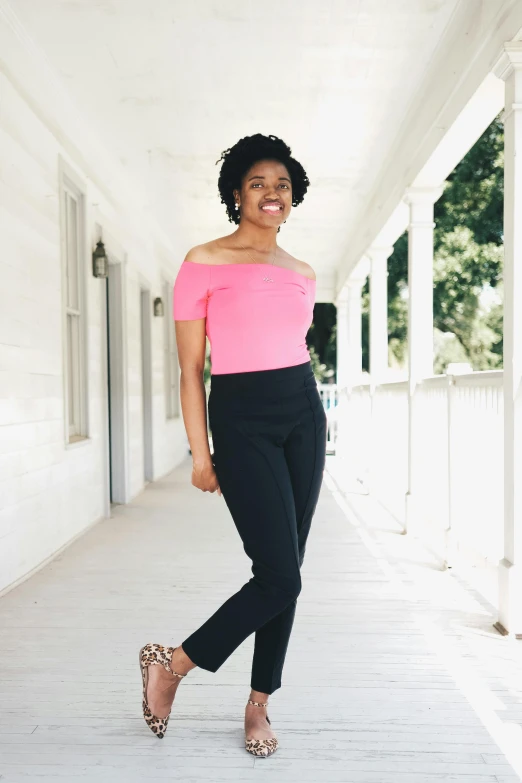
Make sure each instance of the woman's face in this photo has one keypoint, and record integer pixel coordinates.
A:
(266, 194)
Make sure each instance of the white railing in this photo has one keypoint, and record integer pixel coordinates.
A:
(432, 479)
(477, 463)
(388, 474)
(329, 393)
(459, 456)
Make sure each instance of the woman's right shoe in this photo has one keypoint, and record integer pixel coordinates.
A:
(155, 655)
(259, 747)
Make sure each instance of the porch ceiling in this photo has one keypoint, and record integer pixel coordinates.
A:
(167, 85)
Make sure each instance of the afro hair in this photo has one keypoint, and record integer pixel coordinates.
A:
(241, 157)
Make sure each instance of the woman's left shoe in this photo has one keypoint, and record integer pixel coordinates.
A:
(261, 747)
(150, 655)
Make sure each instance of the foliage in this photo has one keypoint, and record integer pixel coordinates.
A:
(448, 349)
(467, 262)
(474, 192)
(462, 269)
(318, 366)
(321, 340)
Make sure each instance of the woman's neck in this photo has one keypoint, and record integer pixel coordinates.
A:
(262, 239)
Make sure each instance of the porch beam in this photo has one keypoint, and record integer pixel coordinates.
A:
(420, 327)
(509, 68)
(349, 333)
(379, 312)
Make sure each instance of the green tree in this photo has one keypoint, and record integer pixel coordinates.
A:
(462, 270)
(468, 262)
(321, 341)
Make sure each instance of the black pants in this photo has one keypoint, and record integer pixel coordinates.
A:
(269, 437)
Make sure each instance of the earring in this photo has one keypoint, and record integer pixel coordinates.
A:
(236, 206)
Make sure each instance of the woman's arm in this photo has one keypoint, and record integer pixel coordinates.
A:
(191, 341)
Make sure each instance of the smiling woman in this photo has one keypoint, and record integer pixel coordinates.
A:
(266, 417)
(239, 160)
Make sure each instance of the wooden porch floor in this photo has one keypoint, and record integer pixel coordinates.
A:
(394, 672)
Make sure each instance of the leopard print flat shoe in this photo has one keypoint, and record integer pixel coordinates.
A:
(261, 747)
(155, 655)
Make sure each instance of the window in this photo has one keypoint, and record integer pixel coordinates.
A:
(171, 357)
(73, 232)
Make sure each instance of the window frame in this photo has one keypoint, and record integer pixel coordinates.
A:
(74, 307)
(170, 357)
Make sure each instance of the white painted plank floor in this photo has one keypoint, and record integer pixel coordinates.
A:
(394, 673)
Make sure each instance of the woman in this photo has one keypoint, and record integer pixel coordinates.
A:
(255, 303)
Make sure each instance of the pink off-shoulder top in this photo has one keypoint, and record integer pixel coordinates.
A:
(257, 315)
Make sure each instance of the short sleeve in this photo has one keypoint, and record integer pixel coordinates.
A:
(190, 293)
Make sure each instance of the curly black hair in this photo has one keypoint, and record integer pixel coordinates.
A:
(241, 157)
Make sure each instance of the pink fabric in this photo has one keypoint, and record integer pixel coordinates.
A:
(252, 323)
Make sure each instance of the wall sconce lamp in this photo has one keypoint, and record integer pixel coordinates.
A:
(158, 307)
(100, 262)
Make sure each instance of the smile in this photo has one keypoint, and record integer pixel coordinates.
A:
(272, 209)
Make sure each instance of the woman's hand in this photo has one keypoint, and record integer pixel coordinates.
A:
(204, 477)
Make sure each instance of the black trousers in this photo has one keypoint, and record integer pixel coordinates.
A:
(269, 436)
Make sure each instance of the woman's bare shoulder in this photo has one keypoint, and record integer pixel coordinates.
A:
(306, 270)
(200, 254)
(299, 266)
(207, 253)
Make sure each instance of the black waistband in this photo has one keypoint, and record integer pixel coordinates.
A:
(262, 378)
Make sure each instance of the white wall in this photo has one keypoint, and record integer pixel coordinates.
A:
(50, 492)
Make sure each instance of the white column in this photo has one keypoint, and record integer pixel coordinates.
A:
(355, 288)
(349, 364)
(509, 68)
(420, 324)
(349, 333)
(342, 352)
(379, 312)
(420, 281)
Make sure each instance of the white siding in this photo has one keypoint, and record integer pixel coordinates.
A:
(50, 491)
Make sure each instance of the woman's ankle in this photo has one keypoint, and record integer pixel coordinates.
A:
(258, 696)
(180, 662)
